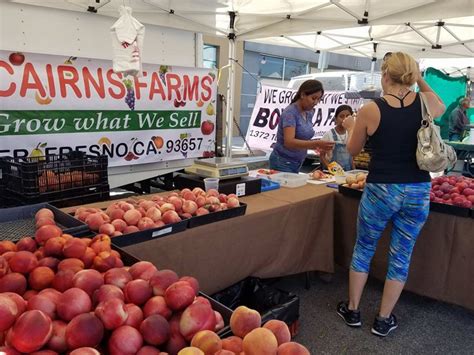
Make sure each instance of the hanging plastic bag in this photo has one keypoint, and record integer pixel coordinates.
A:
(127, 42)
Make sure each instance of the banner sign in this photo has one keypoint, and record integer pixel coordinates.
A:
(270, 103)
(54, 105)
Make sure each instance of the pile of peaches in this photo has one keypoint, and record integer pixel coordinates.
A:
(133, 215)
(60, 294)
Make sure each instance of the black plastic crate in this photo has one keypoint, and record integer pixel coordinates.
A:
(450, 209)
(217, 216)
(149, 234)
(269, 301)
(17, 222)
(347, 191)
(54, 177)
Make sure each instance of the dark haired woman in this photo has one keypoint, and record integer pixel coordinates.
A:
(295, 130)
(339, 136)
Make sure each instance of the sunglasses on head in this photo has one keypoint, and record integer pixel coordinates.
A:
(387, 55)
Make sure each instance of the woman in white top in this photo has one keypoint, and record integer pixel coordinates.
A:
(338, 134)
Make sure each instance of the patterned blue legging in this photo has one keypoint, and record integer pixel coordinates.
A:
(407, 205)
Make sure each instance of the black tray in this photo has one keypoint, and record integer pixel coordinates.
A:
(347, 191)
(17, 222)
(149, 234)
(450, 209)
(217, 216)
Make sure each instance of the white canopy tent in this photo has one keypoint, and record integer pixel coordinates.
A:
(369, 28)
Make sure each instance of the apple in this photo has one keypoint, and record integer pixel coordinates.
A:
(207, 127)
(16, 58)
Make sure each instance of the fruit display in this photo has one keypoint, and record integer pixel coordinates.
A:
(453, 190)
(133, 215)
(355, 181)
(60, 294)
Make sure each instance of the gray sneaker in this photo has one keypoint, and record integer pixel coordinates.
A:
(383, 326)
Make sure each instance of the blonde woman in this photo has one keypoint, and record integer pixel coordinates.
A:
(396, 189)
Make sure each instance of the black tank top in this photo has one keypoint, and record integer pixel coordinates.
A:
(393, 145)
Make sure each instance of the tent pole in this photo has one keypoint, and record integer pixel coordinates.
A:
(229, 112)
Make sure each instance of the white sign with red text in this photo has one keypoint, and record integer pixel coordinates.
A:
(270, 103)
(54, 104)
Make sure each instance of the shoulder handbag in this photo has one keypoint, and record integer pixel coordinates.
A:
(432, 153)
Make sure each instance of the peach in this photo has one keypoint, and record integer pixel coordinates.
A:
(95, 220)
(50, 262)
(84, 330)
(156, 305)
(189, 196)
(6, 350)
(179, 295)
(9, 254)
(143, 270)
(8, 312)
(170, 217)
(219, 321)
(190, 350)
(31, 331)
(44, 222)
(135, 315)
(200, 201)
(125, 340)
(154, 213)
(23, 262)
(86, 350)
(279, 329)
(190, 207)
(72, 264)
(47, 232)
(118, 277)
(67, 310)
(145, 223)
(43, 303)
(137, 291)
(26, 243)
(130, 229)
(212, 192)
(243, 320)
(198, 191)
(88, 257)
(195, 318)
(112, 313)
(116, 213)
(105, 261)
(57, 342)
(224, 352)
(177, 202)
(106, 292)
(202, 211)
(13, 282)
(260, 341)
(100, 243)
(44, 213)
(142, 211)
(7, 245)
(119, 225)
(193, 282)
(29, 294)
(124, 205)
(74, 248)
(232, 343)
(4, 267)
(63, 280)
(167, 207)
(147, 204)
(148, 350)
(52, 293)
(116, 234)
(41, 277)
(208, 341)
(19, 301)
(161, 280)
(175, 343)
(292, 348)
(155, 330)
(54, 247)
(88, 280)
(107, 228)
(132, 217)
(222, 198)
(233, 202)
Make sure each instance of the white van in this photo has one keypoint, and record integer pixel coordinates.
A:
(341, 81)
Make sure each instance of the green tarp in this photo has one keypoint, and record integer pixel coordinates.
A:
(450, 90)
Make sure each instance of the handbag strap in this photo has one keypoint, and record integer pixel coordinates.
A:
(426, 117)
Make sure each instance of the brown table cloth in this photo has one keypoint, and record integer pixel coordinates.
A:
(442, 265)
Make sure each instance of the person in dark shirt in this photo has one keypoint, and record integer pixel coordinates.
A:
(458, 120)
(396, 188)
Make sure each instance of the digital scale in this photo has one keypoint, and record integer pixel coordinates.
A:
(222, 168)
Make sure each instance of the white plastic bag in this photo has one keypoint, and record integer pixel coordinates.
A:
(127, 42)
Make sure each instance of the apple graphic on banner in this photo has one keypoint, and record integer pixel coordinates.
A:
(207, 127)
(16, 58)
